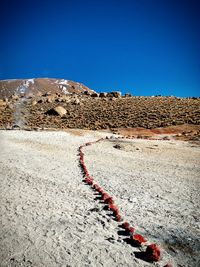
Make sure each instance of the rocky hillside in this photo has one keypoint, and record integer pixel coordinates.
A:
(97, 111)
(37, 87)
(110, 112)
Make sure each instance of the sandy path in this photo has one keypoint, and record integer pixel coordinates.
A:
(49, 217)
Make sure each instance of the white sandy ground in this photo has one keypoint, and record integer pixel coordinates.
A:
(49, 217)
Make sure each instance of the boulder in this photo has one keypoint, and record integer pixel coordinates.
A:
(15, 97)
(50, 99)
(76, 101)
(94, 95)
(59, 99)
(102, 94)
(66, 98)
(116, 94)
(86, 93)
(39, 94)
(10, 106)
(46, 94)
(127, 95)
(57, 111)
(2, 103)
(34, 102)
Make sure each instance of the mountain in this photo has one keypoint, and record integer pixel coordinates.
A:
(39, 86)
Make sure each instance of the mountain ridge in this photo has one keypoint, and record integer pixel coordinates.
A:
(39, 86)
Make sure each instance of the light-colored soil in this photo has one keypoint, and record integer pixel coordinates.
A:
(49, 217)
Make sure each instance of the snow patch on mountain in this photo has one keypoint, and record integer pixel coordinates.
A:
(63, 84)
(21, 89)
(29, 81)
(65, 91)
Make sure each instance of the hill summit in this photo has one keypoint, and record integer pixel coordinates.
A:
(39, 86)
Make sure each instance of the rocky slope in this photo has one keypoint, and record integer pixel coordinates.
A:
(37, 87)
(102, 113)
(77, 106)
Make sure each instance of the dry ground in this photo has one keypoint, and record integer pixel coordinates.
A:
(49, 217)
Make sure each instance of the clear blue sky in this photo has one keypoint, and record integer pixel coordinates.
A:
(146, 47)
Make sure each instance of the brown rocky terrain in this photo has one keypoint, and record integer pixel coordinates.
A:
(102, 113)
(82, 108)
